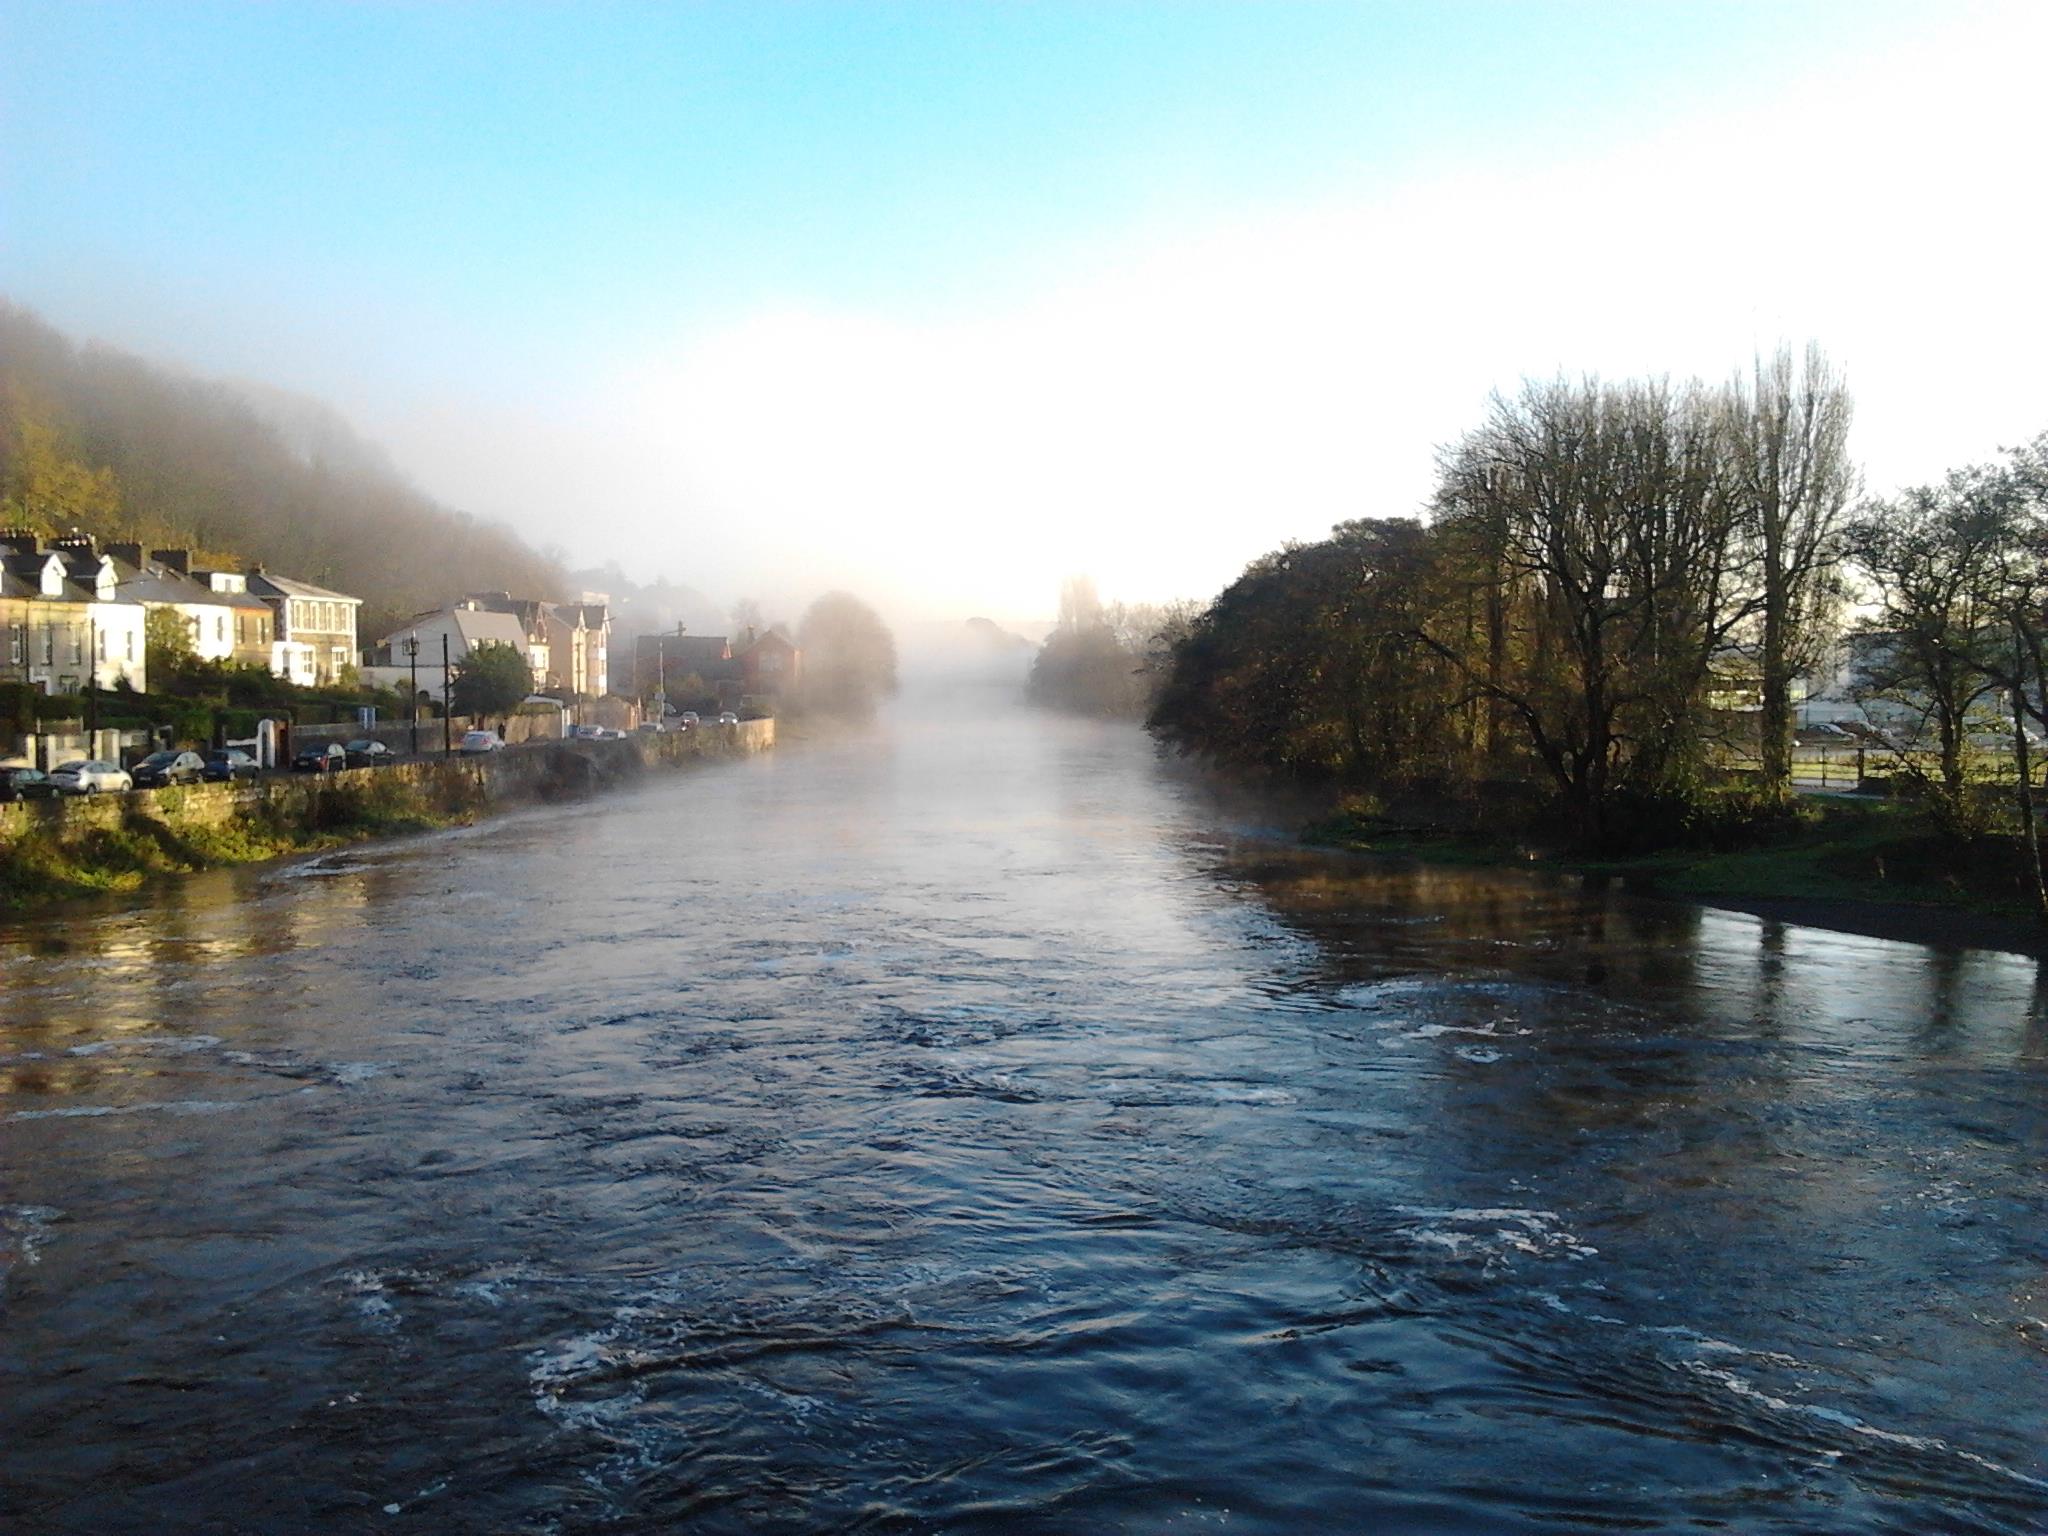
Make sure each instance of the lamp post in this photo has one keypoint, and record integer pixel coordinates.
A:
(92, 680)
(412, 697)
(447, 720)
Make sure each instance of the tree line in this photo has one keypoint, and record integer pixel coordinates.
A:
(1617, 582)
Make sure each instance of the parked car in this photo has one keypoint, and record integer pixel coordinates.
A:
(327, 757)
(366, 753)
(89, 776)
(20, 782)
(482, 741)
(727, 717)
(689, 718)
(227, 764)
(651, 728)
(162, 768)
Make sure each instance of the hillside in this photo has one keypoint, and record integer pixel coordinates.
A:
(99, 440)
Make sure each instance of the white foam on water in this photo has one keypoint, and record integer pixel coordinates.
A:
(175, 1044)
(1835, 1417)
(24, 1229)
(165, 1107)
(1236, 1093)
(1485, 1055)
(1492, 1232)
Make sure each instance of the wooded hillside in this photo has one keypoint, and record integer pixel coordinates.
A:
(96, 439)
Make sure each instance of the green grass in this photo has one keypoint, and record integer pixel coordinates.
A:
(123, 857)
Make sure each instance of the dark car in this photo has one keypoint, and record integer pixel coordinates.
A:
(26, 784)
(161, 768)
(369, 754)
(330, 758)
(227, 764)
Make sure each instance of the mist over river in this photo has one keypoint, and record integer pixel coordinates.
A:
(980, 1127)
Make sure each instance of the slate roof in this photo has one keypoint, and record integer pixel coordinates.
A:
(264, 584)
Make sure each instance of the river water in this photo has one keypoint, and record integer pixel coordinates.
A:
(979, 1128)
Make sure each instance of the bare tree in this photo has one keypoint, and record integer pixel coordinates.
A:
(1792, 481)
(1603, 512)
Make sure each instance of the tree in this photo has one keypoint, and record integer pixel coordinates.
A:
(849, 657)
(47, 489)
(166, 645)
(1792, 480)
(1604, 513)
(492, 680)
(1933, 555)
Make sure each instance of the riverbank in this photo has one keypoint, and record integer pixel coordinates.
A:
(59, 849)
(1868, 867)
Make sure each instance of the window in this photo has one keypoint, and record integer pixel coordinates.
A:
(131, 645)
(17, 643)
(77, 643)
(220, 627)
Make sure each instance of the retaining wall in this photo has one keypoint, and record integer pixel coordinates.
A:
(539, 771)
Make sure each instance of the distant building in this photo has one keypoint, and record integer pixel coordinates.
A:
(762, 667)
(770, 664)
(465, 626)
(567, 644)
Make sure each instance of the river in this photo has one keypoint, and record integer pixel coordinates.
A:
(979, 1127)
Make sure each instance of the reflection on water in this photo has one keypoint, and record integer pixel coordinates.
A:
(973, 1129)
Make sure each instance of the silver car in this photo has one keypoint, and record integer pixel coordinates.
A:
(90, 776)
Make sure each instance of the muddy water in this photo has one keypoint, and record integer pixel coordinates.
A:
(978, 1129)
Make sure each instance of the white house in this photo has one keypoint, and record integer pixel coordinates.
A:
(392, 664)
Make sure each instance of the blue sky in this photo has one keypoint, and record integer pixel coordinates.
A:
(564, 258)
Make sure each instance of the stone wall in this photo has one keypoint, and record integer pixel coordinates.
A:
(457, 785)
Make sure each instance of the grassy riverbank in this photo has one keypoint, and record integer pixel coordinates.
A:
(124, 856)
(1876, 867)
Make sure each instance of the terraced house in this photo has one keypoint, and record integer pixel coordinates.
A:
(223, 620)
(63, 619)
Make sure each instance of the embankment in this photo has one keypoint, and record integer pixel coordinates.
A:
(56, 848)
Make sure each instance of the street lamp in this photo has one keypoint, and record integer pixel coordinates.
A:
(412, 697)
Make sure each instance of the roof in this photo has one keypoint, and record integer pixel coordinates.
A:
(161, 584)
(264, 584)
(705, 655)
(479, 626)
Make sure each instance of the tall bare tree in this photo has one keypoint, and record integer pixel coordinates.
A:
(1792, 481)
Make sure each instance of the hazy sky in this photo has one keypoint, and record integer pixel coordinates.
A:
(946, 301)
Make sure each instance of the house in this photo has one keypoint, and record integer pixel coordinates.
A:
(662, 662)
(581, 634)
(62, 617)
(224, 621)
(566, 642)
(770, 663)
(416, 650)
(314, 629)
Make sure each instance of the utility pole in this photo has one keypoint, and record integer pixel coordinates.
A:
(447, 719)
(412, 697)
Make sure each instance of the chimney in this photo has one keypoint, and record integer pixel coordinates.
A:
(132, 553)
(22, 541)
(179, 560)
(75, 543)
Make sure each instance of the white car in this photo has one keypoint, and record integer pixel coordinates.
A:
(481, 741)
(89, 776)
(728, 718)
